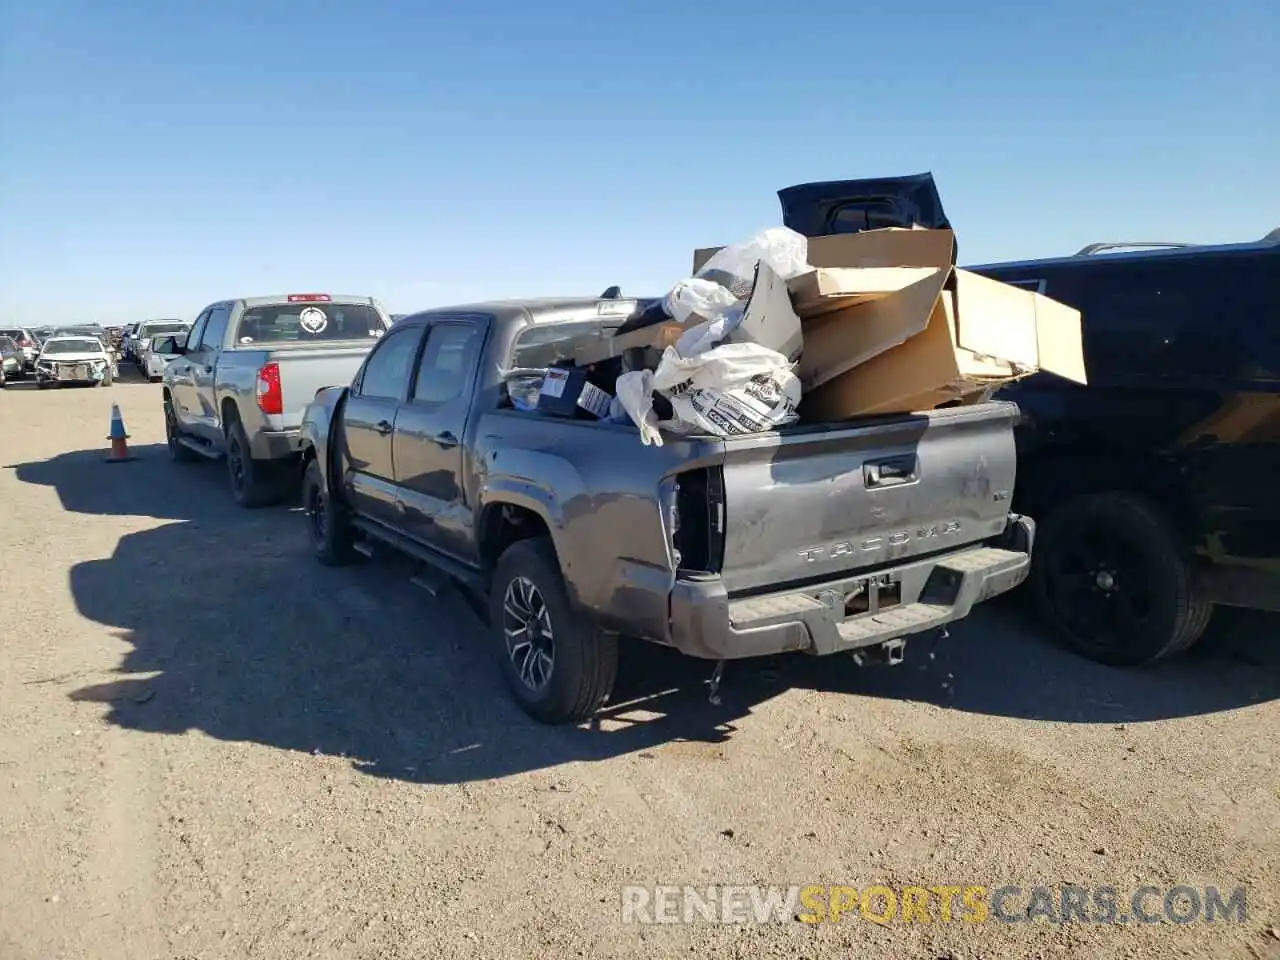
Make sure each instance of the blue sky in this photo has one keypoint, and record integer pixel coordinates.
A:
(155, 156)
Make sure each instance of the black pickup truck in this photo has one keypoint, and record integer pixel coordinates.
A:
(1154, 487)
(822, 538)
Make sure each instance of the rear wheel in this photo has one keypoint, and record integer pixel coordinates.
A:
(249, 485)
(332, 539)
(1111, 577)
(559, 667)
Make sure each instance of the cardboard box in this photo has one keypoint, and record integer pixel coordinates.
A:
(977, 334)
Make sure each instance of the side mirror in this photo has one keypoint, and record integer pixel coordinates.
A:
(167, 346)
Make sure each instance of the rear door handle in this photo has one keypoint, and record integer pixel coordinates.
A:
(446, 439)
(890, 472)
(383, 427)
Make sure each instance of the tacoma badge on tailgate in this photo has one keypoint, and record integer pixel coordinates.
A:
(845, 548)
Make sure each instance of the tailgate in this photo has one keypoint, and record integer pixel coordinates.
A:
(820, 502)
(304, 369)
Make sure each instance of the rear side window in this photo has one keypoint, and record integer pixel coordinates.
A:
(7, 343)
(215, 328)
(308, 322)
(447, 362)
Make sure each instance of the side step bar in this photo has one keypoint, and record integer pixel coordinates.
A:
(469, 578)
(204, 449)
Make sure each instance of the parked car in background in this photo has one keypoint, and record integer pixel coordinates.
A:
(1155, 485)
(150, 363)
(236, 386)
(13, 362)
(73, 359)
(26, 341)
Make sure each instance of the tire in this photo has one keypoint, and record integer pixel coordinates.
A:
(527, 588)
(249, 486)
(177, 451)
(1114, 582)
(329, 526)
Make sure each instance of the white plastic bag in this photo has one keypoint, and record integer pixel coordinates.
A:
(732, 389)
(702, 337)
(734, 266)
(695, 297)
(635, 393)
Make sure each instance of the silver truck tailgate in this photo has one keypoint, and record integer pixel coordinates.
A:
(816, 502)
(306, 368)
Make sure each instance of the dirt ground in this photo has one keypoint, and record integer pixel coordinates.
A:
(212, 747)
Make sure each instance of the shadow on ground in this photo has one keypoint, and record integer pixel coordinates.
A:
(242, 635)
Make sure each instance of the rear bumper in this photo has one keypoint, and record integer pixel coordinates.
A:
(275, 444)
(925, 594)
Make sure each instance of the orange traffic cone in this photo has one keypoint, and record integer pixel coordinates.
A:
(119, 439)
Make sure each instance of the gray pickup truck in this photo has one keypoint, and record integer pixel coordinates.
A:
(825, 538)
(236, 385)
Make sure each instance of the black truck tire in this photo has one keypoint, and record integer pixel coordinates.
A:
(178, 451)
(527, 588)
(249, 485)
(329, 526)
(1111, 577)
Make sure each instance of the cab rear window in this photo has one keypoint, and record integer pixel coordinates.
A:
(309, 322)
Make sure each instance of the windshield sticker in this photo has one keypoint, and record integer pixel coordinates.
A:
(313, 320)
(246, 339)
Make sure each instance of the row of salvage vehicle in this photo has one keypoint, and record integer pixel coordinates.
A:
(1150, 488)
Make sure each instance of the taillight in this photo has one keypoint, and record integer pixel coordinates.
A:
(270, 399)
(698, 524)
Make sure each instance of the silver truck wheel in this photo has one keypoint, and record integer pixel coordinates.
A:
(526, 626)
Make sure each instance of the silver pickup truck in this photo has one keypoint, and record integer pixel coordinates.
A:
(236, 385)
(823, 538)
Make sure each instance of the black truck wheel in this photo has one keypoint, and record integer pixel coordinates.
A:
(178, 451)
(1112, 579)
(249, 486)
(560, 668)
(332, 539)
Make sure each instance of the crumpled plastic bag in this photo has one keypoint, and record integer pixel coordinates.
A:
(523, 389)
(702, 337)
(734, 266)
(731, 389)
(696, 297)
(634, 390)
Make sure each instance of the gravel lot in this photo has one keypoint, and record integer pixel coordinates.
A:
(211, 747)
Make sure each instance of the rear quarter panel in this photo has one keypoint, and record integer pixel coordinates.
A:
(605, 498)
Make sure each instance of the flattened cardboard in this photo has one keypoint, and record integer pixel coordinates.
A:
(837, 342)
(943, 362)
(888, 247)
(595, 349)
(828, 289)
